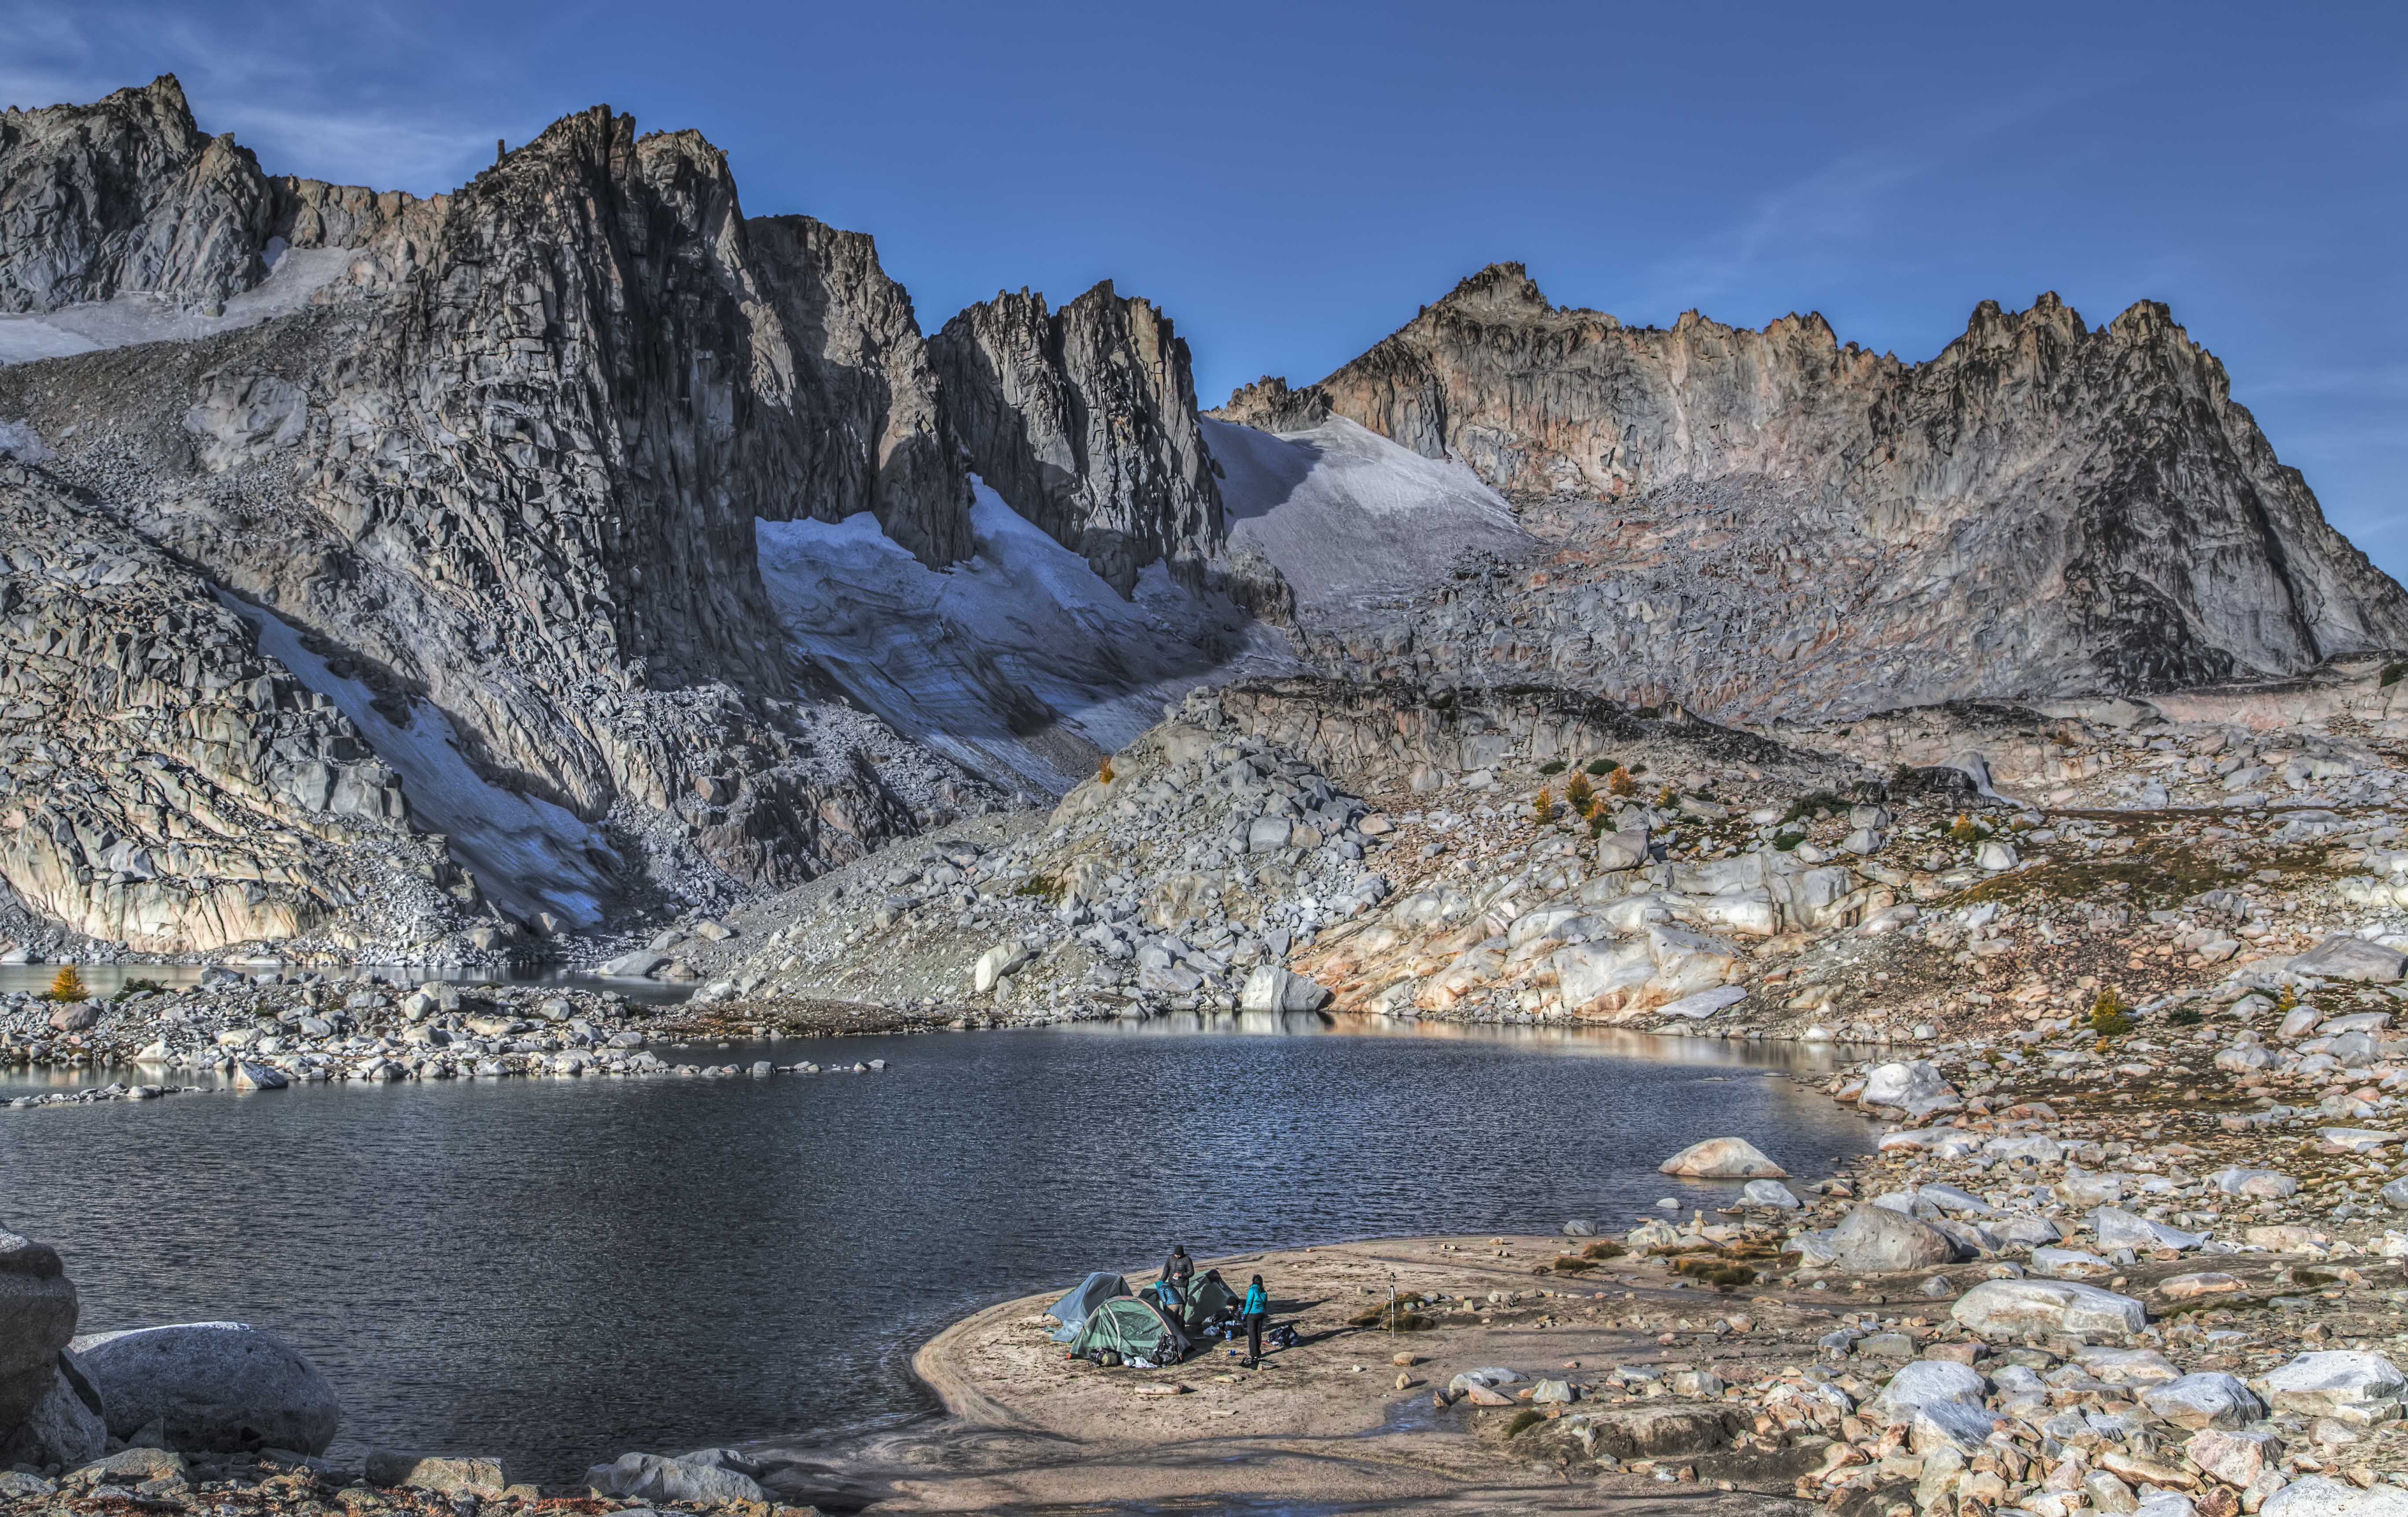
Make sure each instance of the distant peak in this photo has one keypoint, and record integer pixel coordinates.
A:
(1499, 287)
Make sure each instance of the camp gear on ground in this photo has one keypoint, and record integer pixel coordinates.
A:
(1072, 1309)
(1132, 1327)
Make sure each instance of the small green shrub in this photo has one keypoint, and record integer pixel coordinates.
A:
(1553, 766)
(2392, 673)
(2184, 1016)
(1044, 886)
(1602, 767)
(1821, 803)
(2111, 1015)
(1783, 843)
(1522, 1421)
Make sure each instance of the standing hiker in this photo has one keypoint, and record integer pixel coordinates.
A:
(1256, 1308)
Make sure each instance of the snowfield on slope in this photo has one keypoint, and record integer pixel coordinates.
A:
(1349, 516)
(528, 855)
(133, 317)
(1021, 665)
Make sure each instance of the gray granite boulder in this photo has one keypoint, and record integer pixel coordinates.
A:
(2012, 1307)
(1873, 1239)
(37, 1317)
(213, 1385)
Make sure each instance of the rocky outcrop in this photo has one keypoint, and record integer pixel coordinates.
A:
(866, 432)
(127, 195)
(517, 490)
(38, 1322)
(164, 786)
(2043, 509)
(1083, 419)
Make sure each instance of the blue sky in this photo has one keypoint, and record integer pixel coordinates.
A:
(1291, 181)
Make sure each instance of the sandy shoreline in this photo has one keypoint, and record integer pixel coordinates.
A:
(1325, 1424)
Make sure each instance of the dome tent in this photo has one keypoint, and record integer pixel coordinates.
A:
(1084, 1298)
(1132, 1327)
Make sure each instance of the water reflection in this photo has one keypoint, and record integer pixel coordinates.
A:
(562, 1270)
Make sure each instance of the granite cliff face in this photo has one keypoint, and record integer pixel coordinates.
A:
(160, 782)
(1754, 521)
(1083, 419)
(495, 473)
(869, 430)
(128, 197)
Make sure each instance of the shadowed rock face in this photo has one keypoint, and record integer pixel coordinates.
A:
(509, 466)
(126, 196)
(868, 431)
(2043, 508)
(1083, 419)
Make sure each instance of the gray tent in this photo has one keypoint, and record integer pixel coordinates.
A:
(1089, 1293)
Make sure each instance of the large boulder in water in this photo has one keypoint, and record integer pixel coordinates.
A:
(37, 1318)
(1722, 1158)
(214, 1385)
(1873, 1239)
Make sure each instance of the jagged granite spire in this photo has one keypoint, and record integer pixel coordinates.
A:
(1083, 421)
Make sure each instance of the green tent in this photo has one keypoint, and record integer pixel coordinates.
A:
(1209, 1297)
(1132, 1327)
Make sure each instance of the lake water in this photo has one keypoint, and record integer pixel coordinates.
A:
(560, 1271)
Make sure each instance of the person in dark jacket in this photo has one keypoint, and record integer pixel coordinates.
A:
(1179, 1268)
(1257, 1306)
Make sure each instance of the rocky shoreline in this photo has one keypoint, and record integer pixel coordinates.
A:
(235, 1033)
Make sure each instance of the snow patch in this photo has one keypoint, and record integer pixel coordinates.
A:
(293, 276)
(1351, 517)
(529, 855)
(1020, 665)
(19, 441)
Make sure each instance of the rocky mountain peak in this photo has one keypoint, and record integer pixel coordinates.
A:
(1083, 419)
(1504, 289)
(125, 195)
(2081, 508)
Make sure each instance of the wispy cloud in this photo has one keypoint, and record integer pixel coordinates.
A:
(301, 115)
(2380, 382)
(1839, 207)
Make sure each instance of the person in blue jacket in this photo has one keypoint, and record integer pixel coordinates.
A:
(1257, 1306)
